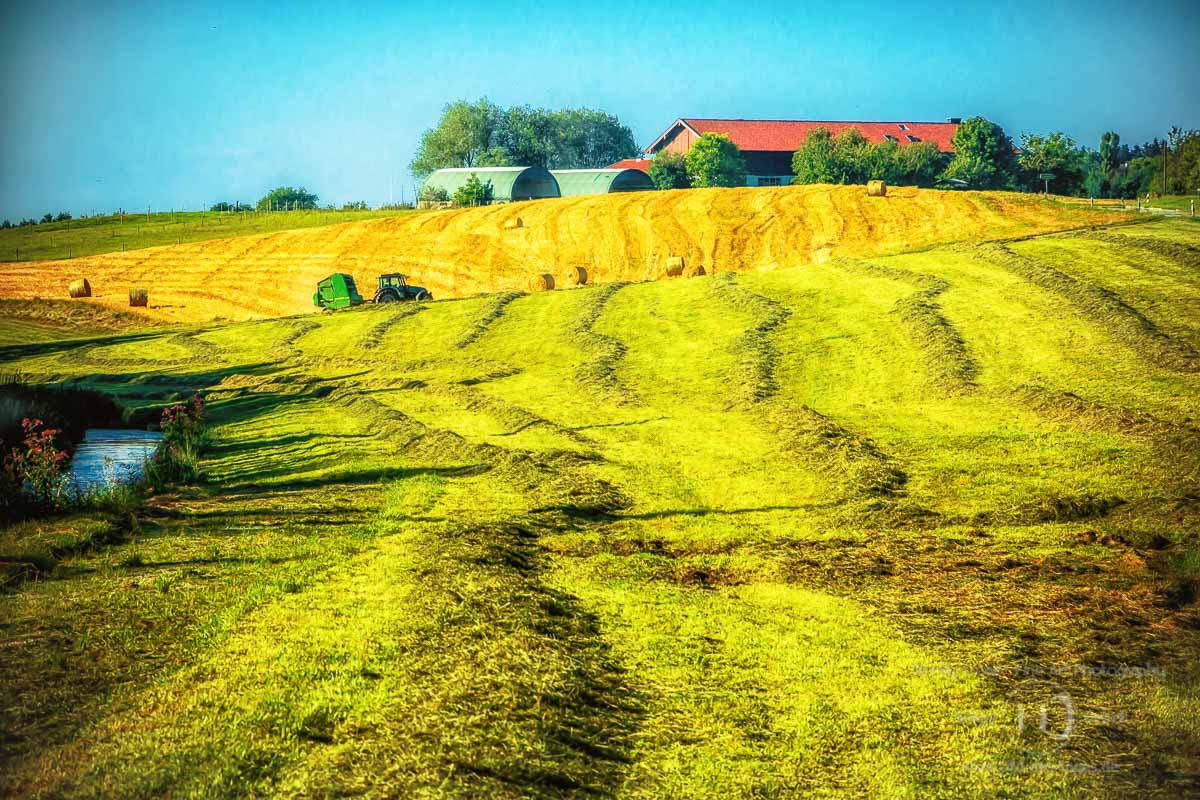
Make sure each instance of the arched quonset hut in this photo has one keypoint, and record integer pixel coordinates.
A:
(573, 182)
(508, 183)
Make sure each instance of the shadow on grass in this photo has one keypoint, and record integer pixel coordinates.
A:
(236, 448)
(352, 477)
(579, 511)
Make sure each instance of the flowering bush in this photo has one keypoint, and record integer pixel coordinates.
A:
(184, 436)
(33, 472)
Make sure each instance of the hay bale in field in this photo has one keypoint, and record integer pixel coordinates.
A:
(579, 275)
(696, 271)
(543, 282)
(876, 189)
(138, 297)
(514, 223)
(80, 288)
(674, 266)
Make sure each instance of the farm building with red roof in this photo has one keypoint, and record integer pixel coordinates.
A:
(767, 144)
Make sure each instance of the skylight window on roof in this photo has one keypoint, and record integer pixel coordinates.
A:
(912, 138)
(890, 138)
(903, 127)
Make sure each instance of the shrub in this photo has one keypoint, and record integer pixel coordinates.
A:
(668, 171)
(433, 194)
(474, 192)
(715, 160)
(184, 437)
(32, 476)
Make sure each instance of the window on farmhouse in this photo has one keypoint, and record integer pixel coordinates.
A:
(890, 138)
(769, 182)
(903, 127)
(912, 138)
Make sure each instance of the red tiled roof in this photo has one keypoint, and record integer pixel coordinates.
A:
(771, 135)
(642, 164)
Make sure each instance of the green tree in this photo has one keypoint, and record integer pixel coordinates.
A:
(669, 171)
(714, 160)
(589, 139)
(474, 192)
(983, 156)
(527, 136)
(285, 198)
(919, 164)
(1110, 150)
(815, 162)
(481, 134)
(1055, 154)
(465, 136)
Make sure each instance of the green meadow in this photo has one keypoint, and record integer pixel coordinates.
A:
(131, 231)
(915, 526)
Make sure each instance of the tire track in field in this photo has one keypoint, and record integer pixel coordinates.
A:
(1177, 445)
(598, 374)
(1101, 306)
(1183, 254)
(486, 318)
(863, 470)
(948, 362)
(373, 338)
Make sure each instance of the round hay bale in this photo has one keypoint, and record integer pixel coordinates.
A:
(543, 282)
(876, 189)
(674, 266)
(579, 275)
(138, 297)
(511, 224)
(696, 271)
(80, 288)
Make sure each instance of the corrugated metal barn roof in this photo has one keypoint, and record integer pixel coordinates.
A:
(572, 182)
(508, 183)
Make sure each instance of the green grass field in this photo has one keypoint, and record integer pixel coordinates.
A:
(920, 526)
(114, 233)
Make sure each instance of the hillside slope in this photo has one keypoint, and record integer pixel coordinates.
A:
(841, 531)
(461, 253)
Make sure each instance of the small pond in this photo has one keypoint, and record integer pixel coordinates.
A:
(108, 456)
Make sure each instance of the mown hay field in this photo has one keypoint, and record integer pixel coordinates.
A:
(460, 253)
(847, 530)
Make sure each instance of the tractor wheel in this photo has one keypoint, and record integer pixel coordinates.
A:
(422, 296)
(386, 297)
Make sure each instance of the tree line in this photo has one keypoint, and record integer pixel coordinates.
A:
(986, 158)
(482, 134)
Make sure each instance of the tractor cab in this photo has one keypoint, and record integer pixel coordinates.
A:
(394, 287)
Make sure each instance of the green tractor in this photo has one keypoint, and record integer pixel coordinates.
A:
(394, 287)
(338, 291)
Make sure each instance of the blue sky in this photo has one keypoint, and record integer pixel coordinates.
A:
(180, 105)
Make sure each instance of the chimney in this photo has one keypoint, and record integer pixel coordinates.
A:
(954, 120)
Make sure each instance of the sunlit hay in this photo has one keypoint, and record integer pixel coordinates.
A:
(876, 189)
(80, 288)
(138, 298)
(543, 282)
(623, 236)
(695, 271)
(513, 223)
(674, 267)
(579, 276)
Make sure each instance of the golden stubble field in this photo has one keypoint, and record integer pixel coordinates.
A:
(464, 252)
